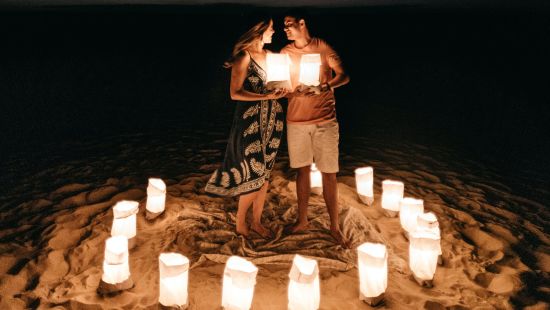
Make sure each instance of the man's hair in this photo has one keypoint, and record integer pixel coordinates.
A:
(298, 14)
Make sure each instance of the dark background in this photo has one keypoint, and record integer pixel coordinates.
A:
(474, 80)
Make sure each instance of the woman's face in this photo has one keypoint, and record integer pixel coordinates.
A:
(268, 33)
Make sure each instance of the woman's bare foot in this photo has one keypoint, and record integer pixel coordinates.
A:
(262, 231)
(298, 227)
(339, 237)
(243, 230)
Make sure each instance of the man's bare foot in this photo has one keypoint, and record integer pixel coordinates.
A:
(262, 231)
(298, 227)
(340, 239)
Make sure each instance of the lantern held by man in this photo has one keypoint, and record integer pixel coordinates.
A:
(316, 180)
(239, 279)
(364, 178)
(392, 193)
(124, 221)
(116, 269)
(423, 253)
(174, 277)
(156, 198)
(409, 210)
(373, 272)
(278, 71)
(304, 292)
(310, 65)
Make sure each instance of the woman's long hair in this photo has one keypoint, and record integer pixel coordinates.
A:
(247, 39)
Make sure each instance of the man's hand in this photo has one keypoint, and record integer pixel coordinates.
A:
(307, 91)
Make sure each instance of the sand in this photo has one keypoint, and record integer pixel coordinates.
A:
(496, 246)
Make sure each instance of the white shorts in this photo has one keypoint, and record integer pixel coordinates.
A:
(314, 143)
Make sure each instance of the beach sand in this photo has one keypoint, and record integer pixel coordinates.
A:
(496, 247)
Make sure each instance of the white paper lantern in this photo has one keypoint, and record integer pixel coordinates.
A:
(115, 264)
(392, 193)
(304, 292)
(364, 183)
(373, 270)
(423, 253)
(428, 222)
(239, 278)
(409, 210)
(310, 65)
(124, 222)
(316, 180)
(278, 70)
(156, 195)
(174, 276)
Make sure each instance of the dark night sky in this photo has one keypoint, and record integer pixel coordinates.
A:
(473, 79)
(286, 3)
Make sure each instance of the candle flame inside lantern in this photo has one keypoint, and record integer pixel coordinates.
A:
(174, 277)
(115, 263)
(364, 179)
(423, 253)
(238, 283)
(277, 67)
(392, 193)
(410, 209)
(124, 222)
(316, 178)
(310, 65)
(156, 195)
(303, 288)
(373, 269)
(428, 222)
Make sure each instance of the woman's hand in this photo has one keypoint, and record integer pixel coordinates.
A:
(277, 93)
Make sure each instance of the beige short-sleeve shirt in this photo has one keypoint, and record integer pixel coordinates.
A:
(315, 109)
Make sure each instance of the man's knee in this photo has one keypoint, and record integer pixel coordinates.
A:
(329, 177)
(304, 169)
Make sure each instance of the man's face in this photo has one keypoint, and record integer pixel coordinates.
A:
(292, 28)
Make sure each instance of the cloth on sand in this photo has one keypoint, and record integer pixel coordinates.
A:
(207, 232)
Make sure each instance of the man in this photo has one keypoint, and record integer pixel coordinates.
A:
(312, 128)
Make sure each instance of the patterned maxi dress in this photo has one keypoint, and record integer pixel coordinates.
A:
(253, 141)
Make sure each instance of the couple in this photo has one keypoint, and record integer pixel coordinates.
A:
(312, 129)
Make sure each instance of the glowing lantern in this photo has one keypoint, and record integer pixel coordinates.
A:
(116, 270)
(364, 182)
(124, 222)
(278, 71)
(410, 209)
(310, 65)
(428, 222)
(316, 180)
(423, 253)
(304, 290)
(373, 272)
(239, 278)
(392, 193)
(174, 275)
(156, 197)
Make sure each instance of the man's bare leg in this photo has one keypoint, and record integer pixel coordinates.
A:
(330, 194)
(245, 201)
(303, 189)
(257, 209)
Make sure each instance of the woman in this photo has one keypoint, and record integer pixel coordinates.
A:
(256, 132)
